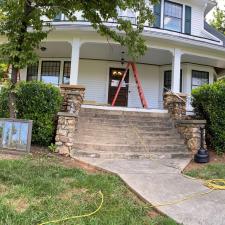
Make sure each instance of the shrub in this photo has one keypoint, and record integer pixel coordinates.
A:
(39, 102)
(4, 97)
(209, 103)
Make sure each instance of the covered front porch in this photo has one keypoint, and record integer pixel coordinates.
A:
(99, 66)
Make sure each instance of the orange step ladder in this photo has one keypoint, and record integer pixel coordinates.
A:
(138, 82)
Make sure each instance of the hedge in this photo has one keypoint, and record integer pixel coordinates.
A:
(39, 102)
(209, 103)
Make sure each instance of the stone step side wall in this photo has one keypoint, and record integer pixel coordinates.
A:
(73, 97)
(190, 129)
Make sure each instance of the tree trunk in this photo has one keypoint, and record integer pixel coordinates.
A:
(12, 97)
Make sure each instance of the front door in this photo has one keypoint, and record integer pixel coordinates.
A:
(115, 75)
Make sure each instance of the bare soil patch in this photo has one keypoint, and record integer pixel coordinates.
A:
(20, 205)
(214, 158)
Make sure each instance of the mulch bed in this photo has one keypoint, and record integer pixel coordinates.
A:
(214, 158)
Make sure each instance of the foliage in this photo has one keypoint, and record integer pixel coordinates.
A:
(212, 171)
(218, 21)
(52, 148)
(22, 23)
(4, 97)
(38, 102)
(209, 103)
(3, 69)
(39, 190)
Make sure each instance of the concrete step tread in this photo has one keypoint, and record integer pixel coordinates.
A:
(122, 155)
(124, 145)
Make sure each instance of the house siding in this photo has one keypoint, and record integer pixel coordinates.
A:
(93, 74)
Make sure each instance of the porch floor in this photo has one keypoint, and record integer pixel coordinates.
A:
(125, 109)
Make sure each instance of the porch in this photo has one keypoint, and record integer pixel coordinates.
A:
(94, 63)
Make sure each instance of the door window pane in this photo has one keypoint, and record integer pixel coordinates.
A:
(66, 72)
(199, 78)
(173, 16)
(32, 72)
(50, 72)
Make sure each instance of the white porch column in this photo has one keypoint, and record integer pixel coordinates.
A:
(75, 58)
(176, 66)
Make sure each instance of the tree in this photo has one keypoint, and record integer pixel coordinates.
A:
(218, 21)
(22, 24)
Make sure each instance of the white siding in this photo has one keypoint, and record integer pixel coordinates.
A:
(94, 75)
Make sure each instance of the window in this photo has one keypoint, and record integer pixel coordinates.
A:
(168, 79)
(32, 72)
(50, 72)
(173, 16)
(66, 72)
(199, 78)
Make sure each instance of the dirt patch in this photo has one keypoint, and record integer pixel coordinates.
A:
(214, 159)
(20, 205)
(3, 189)
(70, 193)
(153, 214)
(10, 155)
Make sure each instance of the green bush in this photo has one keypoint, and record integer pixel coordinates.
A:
(39, 102)
(209, 103)
(4, 96)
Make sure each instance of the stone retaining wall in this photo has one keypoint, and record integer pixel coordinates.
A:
(175, 104)
(73, 96)
(190, 131)
(189, 128)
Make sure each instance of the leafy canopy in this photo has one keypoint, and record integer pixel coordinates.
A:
(218, 21)
(21, 21)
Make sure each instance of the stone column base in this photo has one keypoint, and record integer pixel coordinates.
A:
(190, 131)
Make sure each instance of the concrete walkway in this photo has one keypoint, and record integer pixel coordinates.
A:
(161, 181)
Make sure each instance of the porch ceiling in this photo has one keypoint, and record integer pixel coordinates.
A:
(114, 52)
(107, 51)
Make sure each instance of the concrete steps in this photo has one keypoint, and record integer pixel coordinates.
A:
(127, 135)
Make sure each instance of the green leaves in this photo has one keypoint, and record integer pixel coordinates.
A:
(219, 20)
(21, 22)
(38, 102)
(209, 103)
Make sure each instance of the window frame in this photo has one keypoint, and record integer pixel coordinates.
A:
(201, 71)
(31, 67)
(181, 80)
(50, 61)
(63, 75)
(181, 19)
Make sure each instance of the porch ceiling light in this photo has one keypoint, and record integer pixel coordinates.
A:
(43, 49)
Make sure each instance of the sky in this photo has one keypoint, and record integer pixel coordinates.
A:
(221, 5)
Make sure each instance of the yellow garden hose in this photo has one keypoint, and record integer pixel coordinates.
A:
(215, 184)
(80, 216)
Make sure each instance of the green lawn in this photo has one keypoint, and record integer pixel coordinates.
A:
(38, 190)
(211, 171)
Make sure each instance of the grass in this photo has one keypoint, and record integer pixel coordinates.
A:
(211, 171)
(38, 190)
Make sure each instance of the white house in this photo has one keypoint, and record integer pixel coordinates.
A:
(183, 53)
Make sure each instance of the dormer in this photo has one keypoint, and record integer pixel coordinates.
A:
(185, 16)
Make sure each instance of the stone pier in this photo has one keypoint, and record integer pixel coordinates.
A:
(73, 96)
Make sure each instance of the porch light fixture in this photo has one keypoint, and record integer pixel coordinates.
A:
(202, 155)
(122, 58)
(43, 49)
(117, 73)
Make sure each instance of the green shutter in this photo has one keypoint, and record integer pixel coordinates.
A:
(157, 13)
(188, 19)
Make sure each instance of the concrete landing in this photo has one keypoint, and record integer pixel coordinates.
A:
(161, 181)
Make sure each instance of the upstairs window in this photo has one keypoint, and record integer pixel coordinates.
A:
(173, 16)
